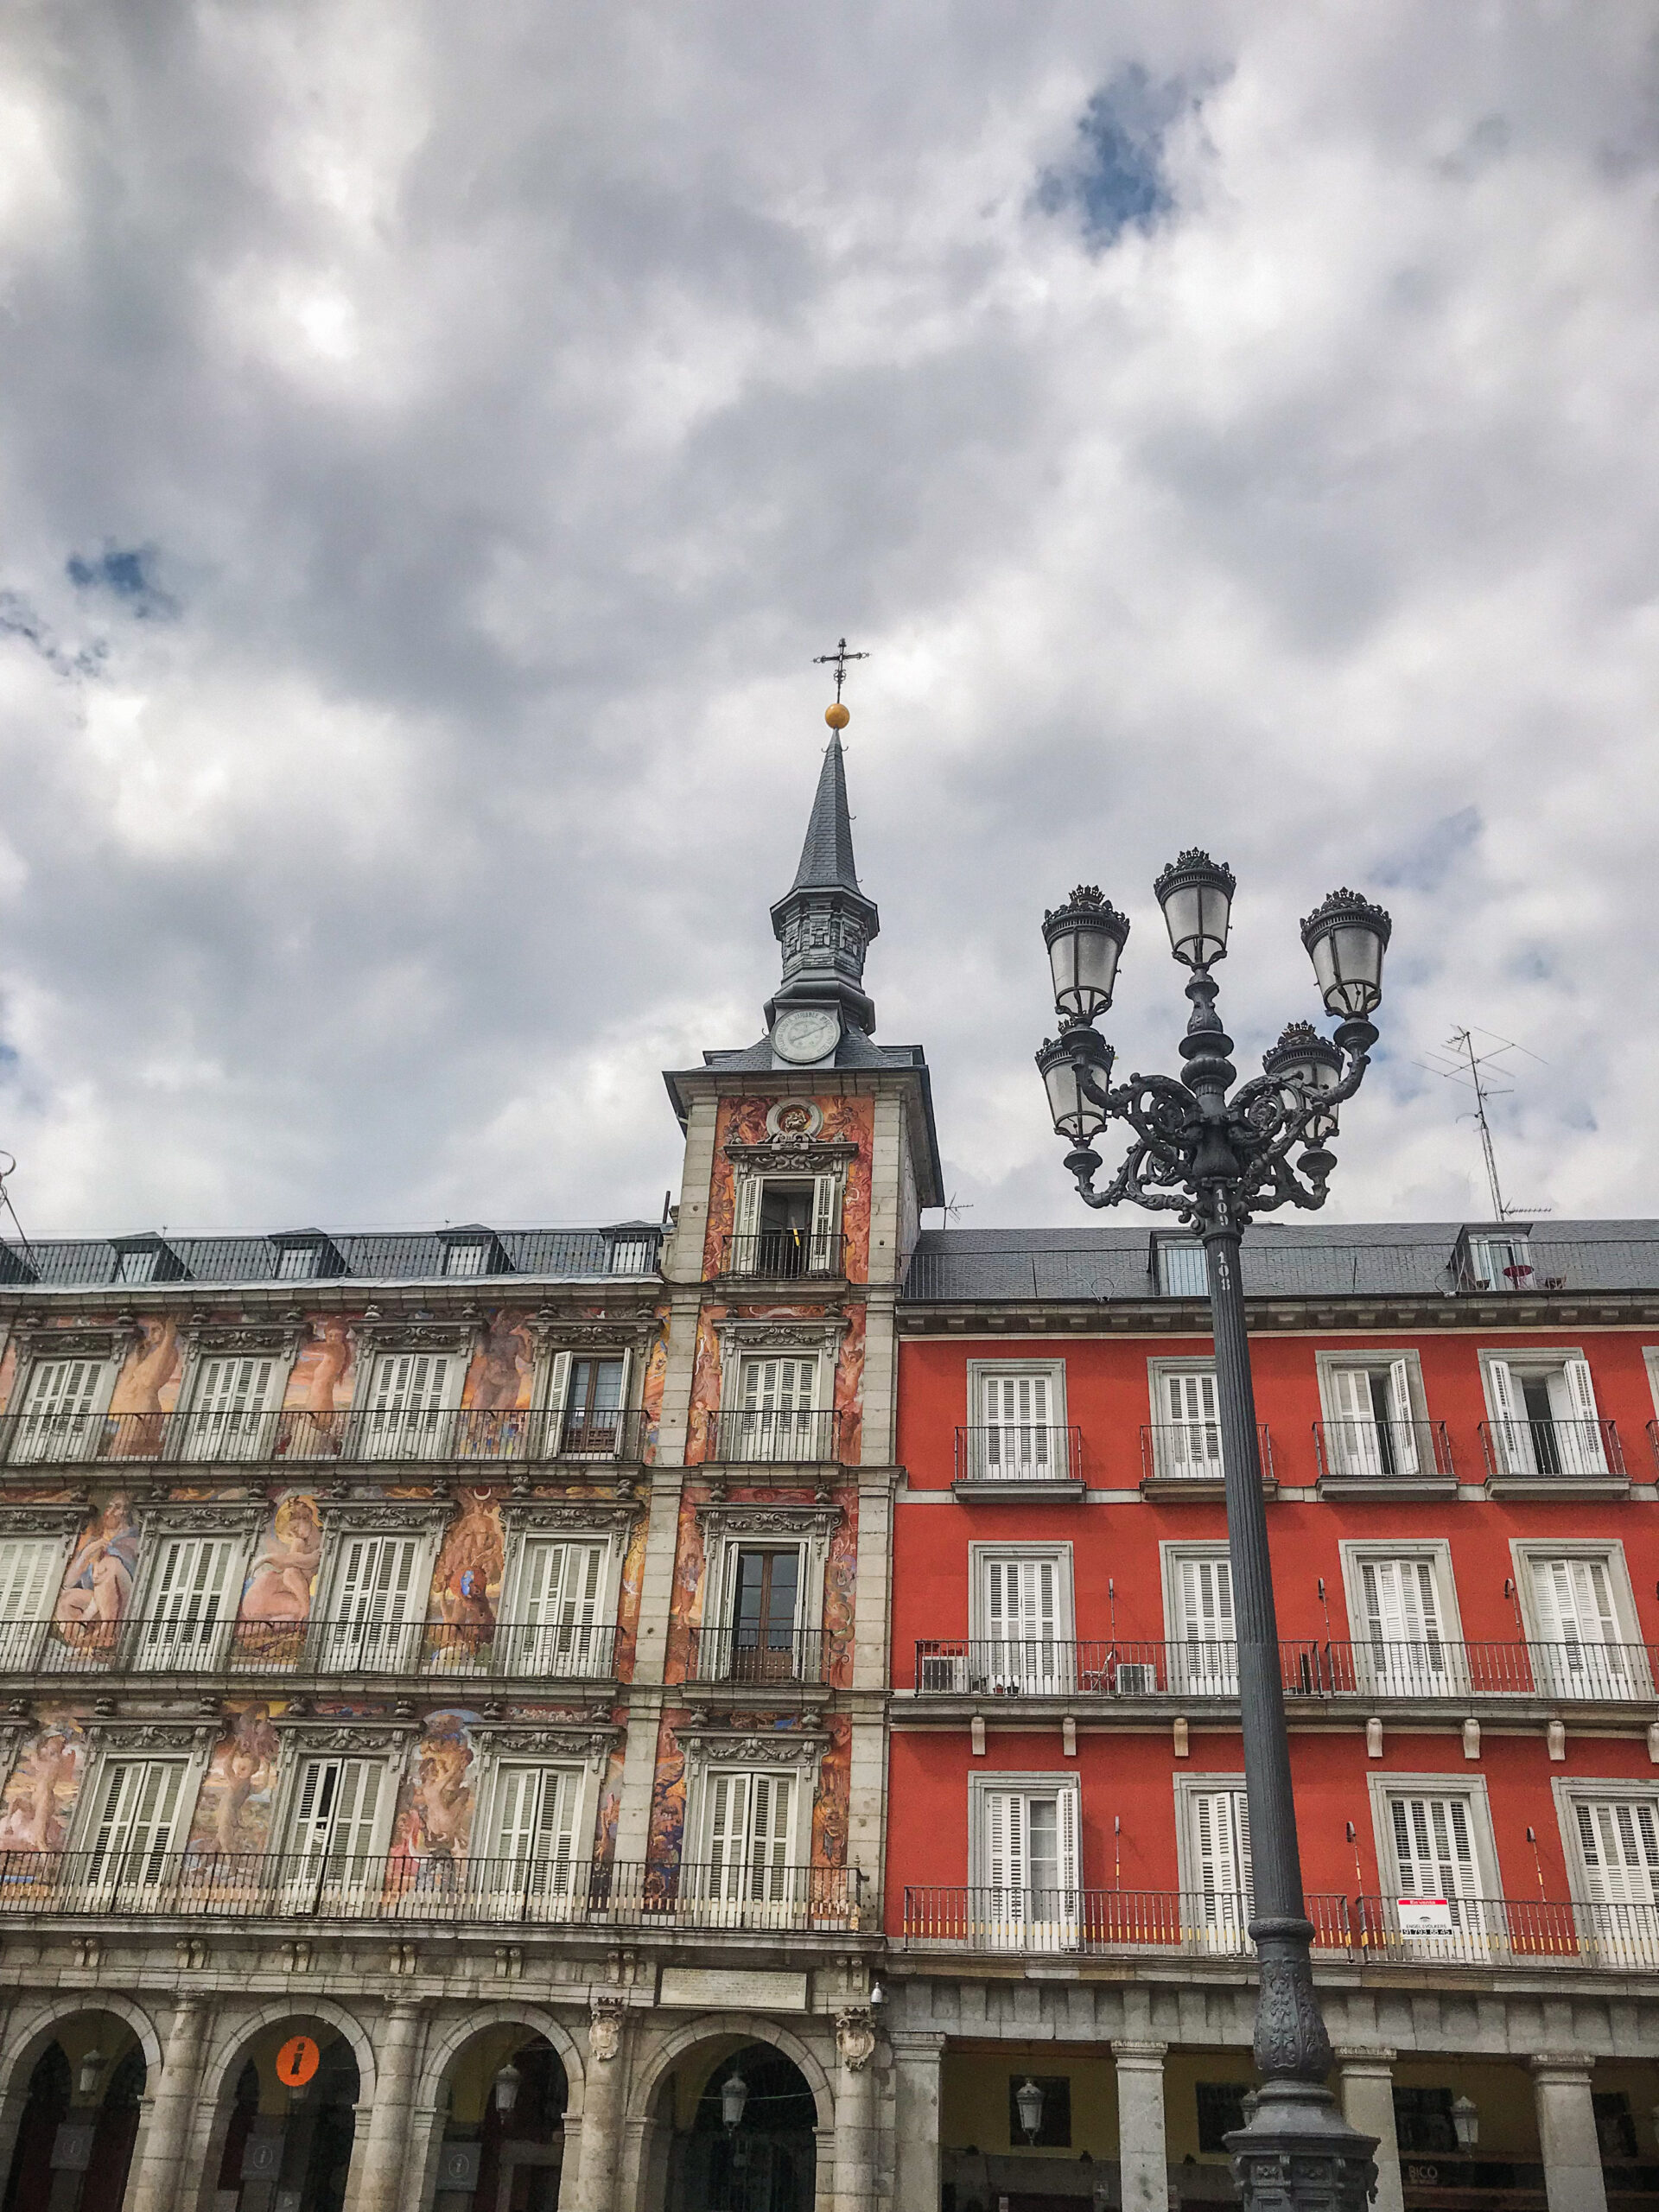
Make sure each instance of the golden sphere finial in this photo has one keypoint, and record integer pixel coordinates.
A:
(836, 716)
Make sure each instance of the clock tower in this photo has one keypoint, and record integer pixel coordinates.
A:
(823, 922)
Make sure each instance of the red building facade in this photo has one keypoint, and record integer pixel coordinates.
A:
(1459, 1436)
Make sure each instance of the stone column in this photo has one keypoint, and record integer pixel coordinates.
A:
(157, 2184)
(1142, 2153)
(426, 2127)
(602, 2107)
(1367, 2079)
(919, 2070)
(1566, 2135)
(380, 2175)
(854, 2110)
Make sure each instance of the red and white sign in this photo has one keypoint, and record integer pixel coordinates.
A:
(1424, 1916)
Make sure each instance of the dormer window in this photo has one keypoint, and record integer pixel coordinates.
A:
(145, 1259)
(1499, 1260)
(1179, 1267)
(474, 1250)
(304, 1255)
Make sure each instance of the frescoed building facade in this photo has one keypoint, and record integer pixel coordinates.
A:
(1459, 1429)
(443, 1678)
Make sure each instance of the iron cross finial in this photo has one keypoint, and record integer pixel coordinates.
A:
(840, 657)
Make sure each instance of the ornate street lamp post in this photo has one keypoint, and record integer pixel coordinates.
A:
(1218, 1161)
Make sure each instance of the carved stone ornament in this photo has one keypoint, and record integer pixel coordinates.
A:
(513, 1740)
(749, 1335)
(856, 2037)
(40, 1520)
(630, 1332)
(794, 1117)
(605, 2028)
(390, 1332)
(720, 1520)
(154, 1735)
(207, 1338)
(326, 1733)
(37, 1343)
(167, 1517)
(394, 1516)
(792, 1152)
(796, 1747)
(536, 1516)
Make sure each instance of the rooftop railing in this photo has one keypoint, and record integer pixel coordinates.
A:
(630, 1249)
(1379, 1451)
(1122, 1668)
(202, 1640)
(29, 1440)
(1545, 1448)
(541, 1892)
(1017, 1452)
(1197, 1923)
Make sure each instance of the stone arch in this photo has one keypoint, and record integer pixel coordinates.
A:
(445, 2044)
(234, 2036)
(42, 2022)
(755, 2027)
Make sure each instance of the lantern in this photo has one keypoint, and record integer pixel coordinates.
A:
(1465, 2119)
(1346, 938)
(1063, 1063)
(506, 2088)
(1084, 939)
(1197, 896)
(1029, 2098)
(734, 2095)
(1303, 1063)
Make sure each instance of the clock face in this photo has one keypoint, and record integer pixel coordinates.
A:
(805, 1036)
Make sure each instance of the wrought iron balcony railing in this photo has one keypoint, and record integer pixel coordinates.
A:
(210, 1643)
(755, 1654)
(1017, 1452)
(785, 1255)
(1035, 1666)
(1204, 1923)
(1514, 1931)
(774, 1437)
(1120, 1669)
(1377, 1451)
(120, 1440)
(1552, 1447)
(487, 1892)
(1190, 1451)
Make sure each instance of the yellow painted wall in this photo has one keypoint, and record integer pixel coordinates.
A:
(974, 2100)
(1502, 2095)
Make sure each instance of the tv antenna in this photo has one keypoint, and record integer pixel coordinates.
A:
(7, 1169)
(1459, 1061)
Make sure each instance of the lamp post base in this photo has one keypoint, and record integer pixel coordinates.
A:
(1299, 2154)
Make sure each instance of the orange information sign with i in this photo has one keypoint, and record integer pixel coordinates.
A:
(297, 2061)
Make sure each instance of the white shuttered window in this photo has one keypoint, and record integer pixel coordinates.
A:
(535, 1849)
(560, 1588)
(227, 1418)
(407, 1404)
(31, 1568)
(191, 1602)
(1582, 1650)
(1022, 1622)
(334, 1830)
(1207, 1662)
(1191, 1441)
(1405, 1652)
(1017, 1428)
(61, 1412)
(1220, 1843)
(750, 1825)
(376, 1602)
(138, 1818)
(1028, 1857)
(777, 1400)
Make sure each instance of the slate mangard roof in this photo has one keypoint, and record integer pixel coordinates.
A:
(1335, 1260)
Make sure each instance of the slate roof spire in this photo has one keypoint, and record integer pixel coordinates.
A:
(823, 921)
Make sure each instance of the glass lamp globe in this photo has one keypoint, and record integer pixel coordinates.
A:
(1346, 937)
(1084, 939)
(1197, 896)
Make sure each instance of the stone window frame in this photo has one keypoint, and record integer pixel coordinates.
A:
(980, 1556)
(727, 1529)
(799, 1752)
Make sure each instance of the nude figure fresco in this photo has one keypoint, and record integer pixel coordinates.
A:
(97, 1587)
(39, 1795)
(233, 1810)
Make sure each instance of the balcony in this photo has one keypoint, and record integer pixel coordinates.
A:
(1183, 1460)
(1384, 1458)
(772, 1438)
(486, 1893)
(1513, 1933)
(1019, 1460)
(211, 1645)
(1191, 1923)
(295, 1437)
(786, 1255)
(1508, 1932)
(1125, 1672)
(752, 1657)
(1553, 1458)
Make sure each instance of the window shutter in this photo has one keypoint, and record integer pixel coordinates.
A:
(1403, 1416)
(1196, 1439)
(351, 1842)
(230, 1395)
(1433, 1848)
(137, 1819)
(62, 1394)
(1068, 1825)
(826, 1220)
(746, 1225)
(1516, 1455)
(1585, 1453)
(188, 1607)
(1222, 1853)
(1618, 1843)
(1356, 1451)
(29, 1569)
(728, 1822)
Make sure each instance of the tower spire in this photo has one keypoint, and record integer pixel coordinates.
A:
(823, 921)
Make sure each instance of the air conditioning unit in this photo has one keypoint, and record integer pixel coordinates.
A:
(943, 1674)
(1137, 1680)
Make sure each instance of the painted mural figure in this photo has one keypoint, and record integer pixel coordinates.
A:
(314, 1388)
(97, 1583)
(42, 1792)
(233, 1812)
(138, 1395)
(435, 1821)
(467, 1581)
(283, 1574)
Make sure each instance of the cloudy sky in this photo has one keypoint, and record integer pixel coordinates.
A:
(435, 440)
